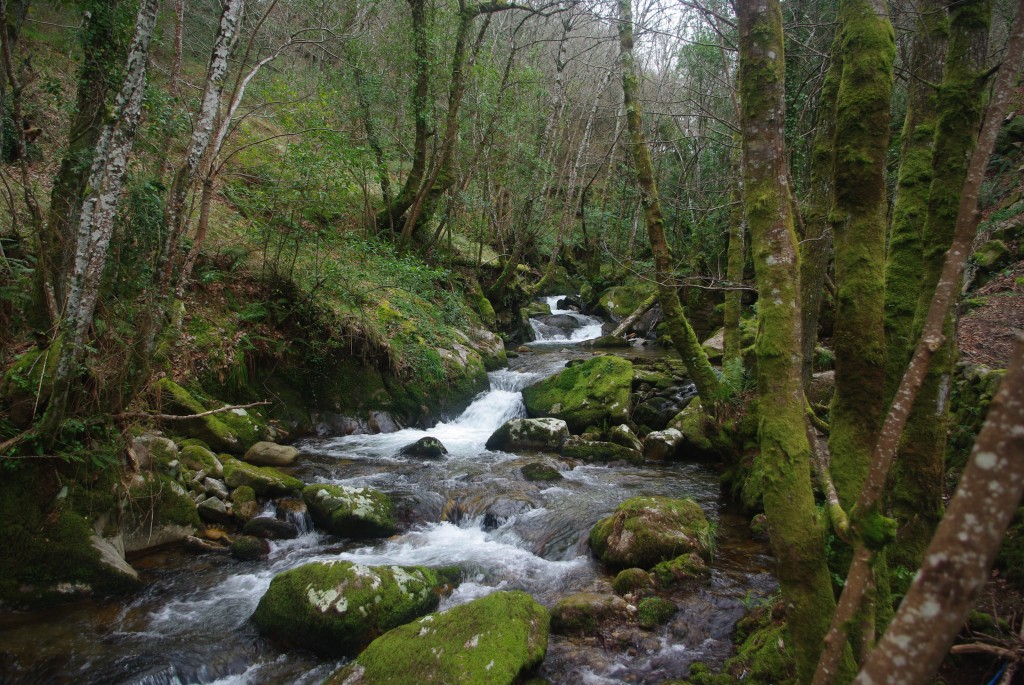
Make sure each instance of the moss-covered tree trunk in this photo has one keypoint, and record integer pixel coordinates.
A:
(919, 467)
(910, 206)
(683, 338)
(797, 538)
(867, 50)
(816, 247)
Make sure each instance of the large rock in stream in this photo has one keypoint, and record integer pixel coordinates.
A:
(587, 394)
(337, 608)
(644, 531)
(495, 640)
(529, 434)
(350, 512)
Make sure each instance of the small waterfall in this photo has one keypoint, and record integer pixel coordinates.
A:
(569, 327)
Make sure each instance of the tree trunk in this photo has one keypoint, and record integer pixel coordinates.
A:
(96, 223)
(388, 218)
(865, 512)
(796, 535)
(910, 206)
(736, 259)
(920, 466)
(684, 339)
(867, 47)
(102, 53)
(816, 248)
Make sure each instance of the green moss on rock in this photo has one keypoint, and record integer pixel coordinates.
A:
(655, 611)
(644, 531)
(536, 471)
(686, 568)
(577, 447)
(495, 640)
(591, 393)
(582, 613)
(349, 511)
(337, 608)
(632, 580)
(210, 429)
(265, 481)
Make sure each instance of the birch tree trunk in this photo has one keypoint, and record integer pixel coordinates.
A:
(96, 222)
(704, 376)
(796, 535)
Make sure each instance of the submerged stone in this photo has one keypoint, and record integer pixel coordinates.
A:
(495, 640)
(536, 471)
(583, 612)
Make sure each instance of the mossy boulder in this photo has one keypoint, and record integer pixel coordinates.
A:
(425, 448)
(349, 511)
(158, 512)
(265, 481)
(155, 452)
(249, 548)
(683, 570)
(624, 435)
(271, 454)
(337, 608)
(198, 458)
(174, 399)
(592, 393)
(529, 434)
(607, 342)
(577, 447)
(536, 471)
(662, 445)
(655, 611)
(582, 613)
(632, 581)
(701, 439)
(991, 256)
(53, 527)
(619, 302)
(644, 531)
(495, 640)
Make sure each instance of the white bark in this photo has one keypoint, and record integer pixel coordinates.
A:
(202, 134)
(106, 178)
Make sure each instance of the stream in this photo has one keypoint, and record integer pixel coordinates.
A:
(472, 509)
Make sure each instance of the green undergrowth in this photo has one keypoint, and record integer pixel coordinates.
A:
(48, 512)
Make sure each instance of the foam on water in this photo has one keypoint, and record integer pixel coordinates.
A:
(590, 327)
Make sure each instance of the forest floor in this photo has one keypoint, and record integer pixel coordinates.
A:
(986, 331)
(986, 336)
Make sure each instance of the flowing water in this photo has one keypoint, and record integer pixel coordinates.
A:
(472, 509)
